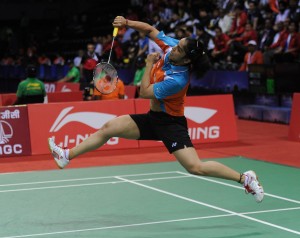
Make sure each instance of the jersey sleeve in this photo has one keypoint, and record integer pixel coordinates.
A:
(164, 42)
(168, 87)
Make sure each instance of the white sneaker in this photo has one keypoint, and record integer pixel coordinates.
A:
(252, 185)
(60, 155)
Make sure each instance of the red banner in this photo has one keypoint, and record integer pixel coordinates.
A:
(61, 87)
(7, 99)
(65, 96)
(71, 123)
(210, 119)
(130, 91)
(294, 129)
(14, 131)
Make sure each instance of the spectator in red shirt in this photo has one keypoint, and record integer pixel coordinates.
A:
(290, 46)
(239, 21)
(279, 37)
(221, 47)
(253, 56)
(238, 46)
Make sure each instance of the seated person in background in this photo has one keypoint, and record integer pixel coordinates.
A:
(140, 69)
(73, 74)
(253, 56)
(30, 90)
(238, 46)
(118, 93)
(221, 47)
(290, 46)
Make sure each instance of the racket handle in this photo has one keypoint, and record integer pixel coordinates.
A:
(115, 32)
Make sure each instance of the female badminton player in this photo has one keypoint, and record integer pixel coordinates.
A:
(165, 83)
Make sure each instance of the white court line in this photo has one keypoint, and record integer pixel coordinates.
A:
(239, 187)
(211, 206)
(87, 184)
(84, 179)
(148, 223)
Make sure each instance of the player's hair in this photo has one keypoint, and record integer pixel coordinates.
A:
(195, 51)
(193, 48)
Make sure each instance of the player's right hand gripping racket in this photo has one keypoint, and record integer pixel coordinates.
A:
(105, 75)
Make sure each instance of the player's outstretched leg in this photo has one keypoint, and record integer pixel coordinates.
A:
(189, 159)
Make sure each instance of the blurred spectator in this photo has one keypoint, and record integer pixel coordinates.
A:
(78, 58)
(98, 44)
(7, 60)
(202, 35)
(30, 57)
(253, 56)
(73, 74)
(289, 48)
(143, 44)
(59, 59)
(180, 32)
(220, 50)
(280, 35)
(294, 14)
(87, 65)
(30, 90)
(274, 6)
(43, 59)
(266, 35)
(254, 15)
(238, 46)
(118, 93)
(116, 52)
(214, 20)
(239, 21)
(283, 13)
(139, 72)
(227, 5)
(225, 21)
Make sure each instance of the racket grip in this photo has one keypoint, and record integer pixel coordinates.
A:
(115, 32)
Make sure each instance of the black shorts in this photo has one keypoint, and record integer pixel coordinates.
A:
(171, 130)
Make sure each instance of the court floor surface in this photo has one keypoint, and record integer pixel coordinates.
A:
(152, 200)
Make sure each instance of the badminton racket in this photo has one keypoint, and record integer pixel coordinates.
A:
(105, 76)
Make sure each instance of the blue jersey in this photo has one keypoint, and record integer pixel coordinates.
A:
(170, 82)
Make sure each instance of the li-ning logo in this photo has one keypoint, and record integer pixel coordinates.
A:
(6, 132)
(93, 119)
(65, 89)
(200, 115)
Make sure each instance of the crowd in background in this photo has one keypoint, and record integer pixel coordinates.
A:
(235, 33)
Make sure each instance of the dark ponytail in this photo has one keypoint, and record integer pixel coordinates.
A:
(200, 62)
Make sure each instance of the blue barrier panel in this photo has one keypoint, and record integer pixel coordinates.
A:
(226, 81)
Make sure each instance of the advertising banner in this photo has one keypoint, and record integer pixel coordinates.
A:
(294, 129)
(71, 123)
(14, 132)
(210, 119)
(61, 87)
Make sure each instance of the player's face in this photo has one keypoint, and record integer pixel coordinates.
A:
(178, 55)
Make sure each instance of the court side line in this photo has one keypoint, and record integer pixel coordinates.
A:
(211, 206)
(87, 184)
(239, 187)
(84, 179)
(148, 223)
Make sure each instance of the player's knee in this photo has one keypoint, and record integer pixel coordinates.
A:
(196, 170)
(106, 129)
